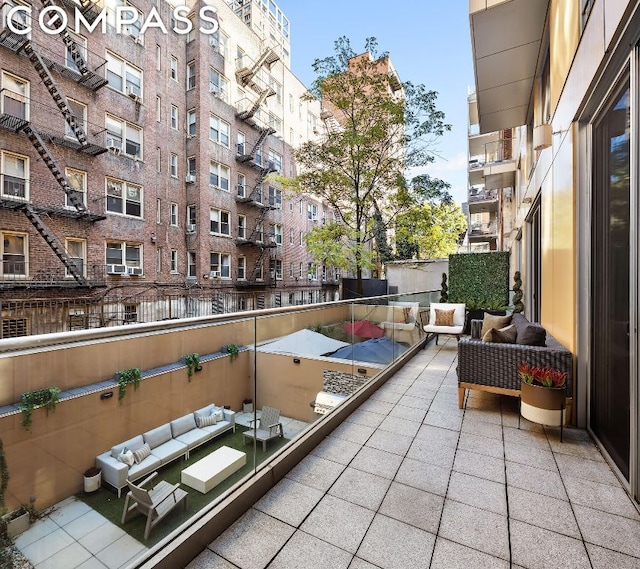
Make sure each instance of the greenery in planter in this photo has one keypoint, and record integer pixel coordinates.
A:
(444, 290)
(47, 397)
(126, 377)
(543, 376)
(518, 305)
(92, 471)
(193, 364)
(232, 350)
(480, 280)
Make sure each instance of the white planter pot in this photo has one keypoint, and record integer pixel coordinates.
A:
(247, 407)
(18, 525)
(549, 417)
(92, 483)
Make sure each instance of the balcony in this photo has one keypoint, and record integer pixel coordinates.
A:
(483, 231)
(21, 275)
(492, 162)
(481, 201)
(417, 481)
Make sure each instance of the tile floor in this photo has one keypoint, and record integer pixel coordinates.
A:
(408, 481)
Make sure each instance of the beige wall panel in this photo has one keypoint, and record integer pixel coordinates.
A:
(563, 40)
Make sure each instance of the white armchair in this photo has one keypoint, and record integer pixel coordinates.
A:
(441, 321)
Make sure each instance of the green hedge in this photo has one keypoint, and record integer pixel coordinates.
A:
(480, 280)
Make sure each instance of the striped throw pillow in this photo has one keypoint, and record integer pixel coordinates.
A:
(207, 421)
(143, 452)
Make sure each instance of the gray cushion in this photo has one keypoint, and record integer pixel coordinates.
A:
(155, 437)
(529, 333)
(505, 335)
(183, 424)
(491, 321)
(204, 411)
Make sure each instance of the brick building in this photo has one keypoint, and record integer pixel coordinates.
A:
(138, 171)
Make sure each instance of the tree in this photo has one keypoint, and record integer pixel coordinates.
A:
(376, 128)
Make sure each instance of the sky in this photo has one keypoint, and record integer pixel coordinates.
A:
(428, 42)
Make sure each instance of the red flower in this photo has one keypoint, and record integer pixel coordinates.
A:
(545, 376)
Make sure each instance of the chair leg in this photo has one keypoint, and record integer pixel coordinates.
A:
(461, 392)
(437, 336)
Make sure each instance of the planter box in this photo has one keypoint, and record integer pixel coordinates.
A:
(247, 407)
(92, 483)
(18, 525)
(544, 405)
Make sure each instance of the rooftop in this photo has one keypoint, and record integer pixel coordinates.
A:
(418, 483)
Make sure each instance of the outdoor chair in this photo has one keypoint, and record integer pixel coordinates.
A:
(268, 427)
(439, 323)
(155, 503)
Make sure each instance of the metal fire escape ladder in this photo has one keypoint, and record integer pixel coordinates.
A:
(70, 43)
(51, 163)
(57, 95)
(54, 243)
(267, 57)
(262, 97)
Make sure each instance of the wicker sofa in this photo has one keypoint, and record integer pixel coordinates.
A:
(490, 366)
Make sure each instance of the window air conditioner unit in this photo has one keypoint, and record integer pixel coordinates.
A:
(542, 136)
(114, 148)
(191, 228)
(214, 274)
(132, 94)
(190, 178)
(116, 270)
(135, 271)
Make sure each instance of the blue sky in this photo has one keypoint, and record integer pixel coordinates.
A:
(428, 41)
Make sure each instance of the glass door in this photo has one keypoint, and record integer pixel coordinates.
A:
(610, 340)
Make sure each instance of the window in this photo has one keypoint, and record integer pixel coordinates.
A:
(158, 210)
(81, 45)
(173, 68)
(173, 121)
(301, 239)
(158, 159)
(158, 260)
(258, 271)
(290, 236)
(290, 103)
(242, 227)
(158, 108)
(290, 270)
(21, 20)
(191, 264)
(173, 165)
(219, 131)
(15, 96)
(258, 157)
(191, 75)
(275, 161)
(173, 214)
(219, 221)
(220, 43)
(276, 87)
(124, 198)
(219, 176)
(242, 186)
(14, 254)
(79, 111)
(122, 76)
(275, 269)
(191, 123)
(130, 313)
(240, 145)
(300, 270)
(312, 272)
(173, 260)
(158, 57)
(76, 251)
(242, 268)
(78, 182)
(220, 265)
(133, 29)
(14, 172)
(275, 197)
(218, 84)
(191, 215)
(259, 231)
(324, 273)
(191, 166)
(312, 212)
(119, 131)
(275, 233)
(122, 253)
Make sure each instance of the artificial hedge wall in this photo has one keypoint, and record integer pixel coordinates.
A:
(480, 280)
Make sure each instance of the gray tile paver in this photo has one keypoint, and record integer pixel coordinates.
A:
(68, 558)
(120, 552)
(608, 530)
(450, 555)
(432, 452)
(412, 506)
(289, 501)
(362, 488)
(596, 471)
(390, 442)
(602, 558)
(378, 462)
(337, 450)
(209, 560)
(479, 465)
(47, 546)
(481, 445)
(478, 492)
(423, 476)
(316, 472)
(605, 497)
(304, 551)
(535, 480)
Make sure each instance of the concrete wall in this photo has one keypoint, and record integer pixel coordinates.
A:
(410, 276)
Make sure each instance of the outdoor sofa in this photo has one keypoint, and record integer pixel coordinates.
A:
(493, 366)
(165, 443)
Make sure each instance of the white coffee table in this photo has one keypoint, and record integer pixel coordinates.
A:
(209, 471)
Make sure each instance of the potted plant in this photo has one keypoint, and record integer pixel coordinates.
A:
(247, 406)
(92, 479)
(543, 392)
(232, 350)
(125, 377)
(193, 364)
(17, 521)
(47, 398)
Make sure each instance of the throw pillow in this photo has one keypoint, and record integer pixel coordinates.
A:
(218, 414)
(143, 452)
(400, 314)
(490, 321)
(444, 317)
(207, 421)
(532, 335)
(505, 335)
(126, 457)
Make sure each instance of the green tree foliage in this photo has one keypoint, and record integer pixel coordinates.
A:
(379, 129)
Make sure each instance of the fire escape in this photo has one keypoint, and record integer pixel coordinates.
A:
(19, 122)
(247, 76)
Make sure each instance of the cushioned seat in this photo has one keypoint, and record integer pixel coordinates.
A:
(444, 321)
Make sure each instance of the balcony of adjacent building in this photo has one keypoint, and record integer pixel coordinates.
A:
(481, 200)
(417, 480)
(492, 161)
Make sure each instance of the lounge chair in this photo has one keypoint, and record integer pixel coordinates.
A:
(268, 427)
(155, 503)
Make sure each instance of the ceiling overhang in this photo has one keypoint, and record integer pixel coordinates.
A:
(506, 37)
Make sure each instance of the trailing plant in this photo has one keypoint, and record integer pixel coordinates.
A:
(193, 364)
(92, 471)
(4, 477)
(232, 350)
(126, 377)
(543, 376)
(518, 305)
(444, 289)
(480, 280)
(47, 397)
